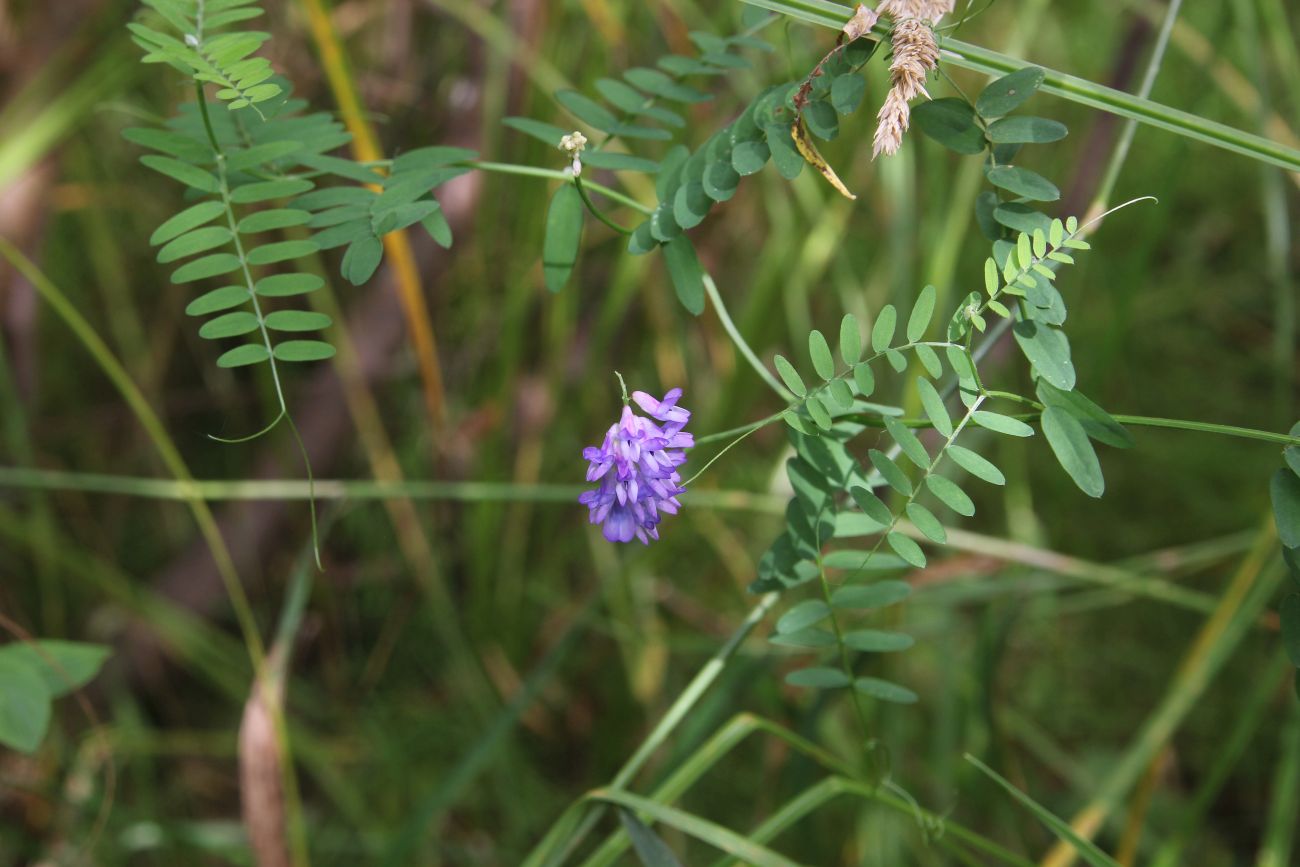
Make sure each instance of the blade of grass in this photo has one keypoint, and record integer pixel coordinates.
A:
(1090, 852)
(701, 829)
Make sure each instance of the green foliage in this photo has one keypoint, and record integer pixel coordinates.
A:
(32, 675)
(1087, 850)
(688, 183)
(208, 55)
(563, 236)
(252, 177)
(651, 851)
(1284, 490)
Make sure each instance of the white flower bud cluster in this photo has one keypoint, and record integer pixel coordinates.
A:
(573, 145)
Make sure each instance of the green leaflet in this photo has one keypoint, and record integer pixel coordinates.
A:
(24, 706)
(1001, 424)
(280, 218)
(883, 331)
(820, 353)
(190, 218)
(1006, 94)
(890, 472)
(1026, 130)
(686, 273)
(801, 616)
(880, 594)
(1284, 490)
(790, 376)
(281, 251)
(847, 92)
(818, 678)
(208, 266)
(229, 325)
(563, 237)
(820, 412)
(909, 443)
(1023, 182)
(947, 492)
(281, 285)
(1073, 451)
(951, 122)
(871, 505)
(216, 300)
(362, 259)
(925, 521)
(297, 320)
(749, 157)
(864, 379)
(975, 464)
(190, 176)
(877, 641)
(241, 356)
(267, 190)
(1048, 349)
(884, 690)
(934, 407)
(907, 549)
(922, 312)
(1096, 422)
(850, 339)
(197, 241)
(804, 639)
(62, 666)
(303, 350)
(545, 132)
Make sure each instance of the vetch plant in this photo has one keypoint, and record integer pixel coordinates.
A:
(889, 428)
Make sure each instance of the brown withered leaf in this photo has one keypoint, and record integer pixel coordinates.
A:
(804, 143)
(861, 23)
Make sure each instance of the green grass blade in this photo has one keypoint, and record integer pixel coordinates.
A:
(1085, 848)
(701, 829)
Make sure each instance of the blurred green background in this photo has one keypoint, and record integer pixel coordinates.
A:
(399, 705)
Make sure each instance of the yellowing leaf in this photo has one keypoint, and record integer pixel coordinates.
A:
(804, 143)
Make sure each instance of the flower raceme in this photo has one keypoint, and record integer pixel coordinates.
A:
(636, 466)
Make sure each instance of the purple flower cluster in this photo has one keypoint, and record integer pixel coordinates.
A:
(637, 468)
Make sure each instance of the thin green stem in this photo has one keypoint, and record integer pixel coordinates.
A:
(251, 286)
(595, 211)
(845, 665)
(920, 483)
(1144, 90)
(556, 174)
(728, 447)
(711, 290)
(214, 490)
(1172, 423)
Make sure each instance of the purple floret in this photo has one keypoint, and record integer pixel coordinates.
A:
(636, 466)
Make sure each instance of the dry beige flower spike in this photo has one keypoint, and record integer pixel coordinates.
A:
(915, 54)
